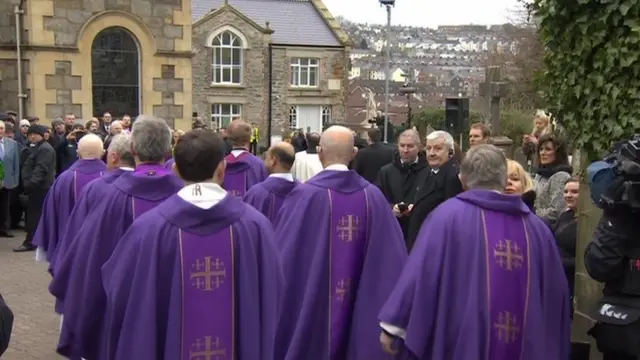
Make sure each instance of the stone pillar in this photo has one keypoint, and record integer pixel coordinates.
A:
(587, 290)
(504, 143)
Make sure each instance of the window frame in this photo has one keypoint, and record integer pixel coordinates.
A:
(217, 117)
(326, 114)
(218, 65)
(296, 67)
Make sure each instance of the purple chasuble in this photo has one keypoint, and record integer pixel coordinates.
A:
(483, 282)
(339, 271)
(60, 201)
(79, 272)
(192, 283)
(91, 194)
(242, 173)
(268, 196)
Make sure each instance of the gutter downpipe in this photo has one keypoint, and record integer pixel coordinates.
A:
(270, 105)
(18, 12)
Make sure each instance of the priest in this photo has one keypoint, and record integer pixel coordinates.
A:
(307, 164)
(268, 196)
(119, 161)
(341, 269)
(64, 193)
(243, 168)
(217, 278)
(130, 196)
(483, 281)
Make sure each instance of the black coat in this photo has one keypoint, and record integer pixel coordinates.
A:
(565, 230)
(6, 325)
(431, 191)
(370, 160)
(398, 184)
(39, 168)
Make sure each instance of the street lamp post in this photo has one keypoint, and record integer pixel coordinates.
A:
(388, 4)
(408, 90)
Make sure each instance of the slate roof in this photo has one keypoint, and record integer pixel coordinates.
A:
(294, 22)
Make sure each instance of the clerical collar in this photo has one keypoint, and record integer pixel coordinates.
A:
(285, 176)
(238, 152)
(337, 167)
(203, 195)
(126, 168)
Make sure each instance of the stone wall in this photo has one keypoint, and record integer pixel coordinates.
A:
(8, 22)
(70, 15)
(9, 84)
(252, 94)
(168, 85)
(63, 82)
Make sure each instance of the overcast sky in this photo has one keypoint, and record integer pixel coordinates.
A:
(426, 12)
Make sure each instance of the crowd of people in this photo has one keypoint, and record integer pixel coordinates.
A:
(319, 249)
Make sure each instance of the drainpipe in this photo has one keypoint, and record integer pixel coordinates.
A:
(270, 103)
(21, 95)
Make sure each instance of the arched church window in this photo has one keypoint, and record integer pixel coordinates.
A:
(293, 117)
(115, 70)
(227, 58)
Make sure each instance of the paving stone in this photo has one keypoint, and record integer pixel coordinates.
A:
(23, 284)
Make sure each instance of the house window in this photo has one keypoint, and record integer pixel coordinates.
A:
(227, 59)
(293, 117)
(304, 72)
(223, 114)
(326, 115)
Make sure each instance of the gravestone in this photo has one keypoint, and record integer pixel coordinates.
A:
(492, 90)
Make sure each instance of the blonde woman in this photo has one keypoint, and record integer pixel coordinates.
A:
(542, 125)
(519, 182)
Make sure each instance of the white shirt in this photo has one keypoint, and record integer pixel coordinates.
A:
(203, 195)
(285, 176)
(337, 167)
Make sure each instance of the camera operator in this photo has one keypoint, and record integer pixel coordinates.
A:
(66, 151)
(613, 257)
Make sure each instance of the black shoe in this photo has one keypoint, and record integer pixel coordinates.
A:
(24, 248)
(5, 234)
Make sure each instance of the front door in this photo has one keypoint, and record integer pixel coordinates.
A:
(310, 118)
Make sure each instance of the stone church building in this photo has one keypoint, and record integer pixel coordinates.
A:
(280, 64)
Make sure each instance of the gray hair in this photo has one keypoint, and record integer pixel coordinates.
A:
(151, 138)
(448, 139)
(121, 145)
(484, 167)
(414, 134)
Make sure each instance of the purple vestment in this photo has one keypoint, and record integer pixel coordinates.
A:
(242, 173)
(268, 196)
(77, 280)
(60, 200)
(484, 282)
(90, 196)
(342, 252)
(185, 282)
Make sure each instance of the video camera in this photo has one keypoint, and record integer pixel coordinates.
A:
(615, 180)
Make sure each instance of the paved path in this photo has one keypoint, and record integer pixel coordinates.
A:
(23, 284)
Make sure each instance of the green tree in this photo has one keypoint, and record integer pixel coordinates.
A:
(592, 61)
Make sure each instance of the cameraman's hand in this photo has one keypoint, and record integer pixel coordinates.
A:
(72, 135)
(396, 211)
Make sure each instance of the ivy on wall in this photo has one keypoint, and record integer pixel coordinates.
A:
(592, 60)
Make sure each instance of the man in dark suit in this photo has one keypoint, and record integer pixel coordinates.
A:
(436, 183)
(370, 160)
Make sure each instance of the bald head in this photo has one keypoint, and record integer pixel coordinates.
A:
(337, 146)
(280, 158)
(90, 147)
(239, 132)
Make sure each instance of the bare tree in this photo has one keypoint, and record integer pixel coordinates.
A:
(522, 61)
